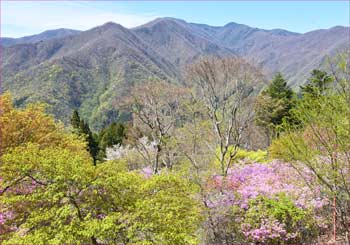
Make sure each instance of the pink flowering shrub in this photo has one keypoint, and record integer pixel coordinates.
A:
(267, 231)
(265, 203)
(147, 171)
(278, 219)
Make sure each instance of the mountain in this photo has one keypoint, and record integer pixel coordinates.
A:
(178, 41)
(46, 35)
(88, 71)
(92, 70)
(293, 54)
(277, 50)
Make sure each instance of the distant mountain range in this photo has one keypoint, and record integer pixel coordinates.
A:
(8, 41)
(91, 70)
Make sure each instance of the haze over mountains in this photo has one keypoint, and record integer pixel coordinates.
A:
(90, 70)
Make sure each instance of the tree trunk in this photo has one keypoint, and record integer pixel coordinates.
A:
(94, 240)
(334, 219)
(156, 162)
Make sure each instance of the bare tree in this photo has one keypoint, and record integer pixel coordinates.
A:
(225, 86)
(155, 107)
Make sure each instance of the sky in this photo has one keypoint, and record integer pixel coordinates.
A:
(21, 18)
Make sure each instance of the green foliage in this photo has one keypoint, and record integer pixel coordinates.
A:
(81, 128)
(299, 225)
(32, 125)
(46, 190)
(166, 213)
(72, 201)
(245, 155)
(278, 89)
(321, 140)
(75, 120)
(109, 136)
(55, 195)
(112, 134)
(253, 156)
(317, 84)
(273, 105)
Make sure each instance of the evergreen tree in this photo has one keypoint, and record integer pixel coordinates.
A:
(111, 135)
(274, 105)
(278, 89)
(75, 119)
(317, 84)
(92, 143)
(82, 128)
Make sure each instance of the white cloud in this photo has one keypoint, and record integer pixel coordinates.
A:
(25, 18)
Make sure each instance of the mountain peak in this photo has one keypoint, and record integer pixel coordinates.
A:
(234, 24)
(162, 21)
(110, 24)
(109, 27)
(168, 19)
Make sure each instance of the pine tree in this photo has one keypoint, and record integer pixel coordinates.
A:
(274, 105)
(278, 89)
(75, 120)
(317, 84)
(111, 135)
(92, 143)
(82, 128)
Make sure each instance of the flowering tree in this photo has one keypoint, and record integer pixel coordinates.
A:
(137, 155)
(264, 203)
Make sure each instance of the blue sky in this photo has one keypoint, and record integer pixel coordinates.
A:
(20, 18)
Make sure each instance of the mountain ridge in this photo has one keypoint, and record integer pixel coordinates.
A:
(91, 70)
(45, 35)
(61, 32)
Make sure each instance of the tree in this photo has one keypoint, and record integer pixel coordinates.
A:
(25, 132)
(110, 136)
(177, 217)
(225, 86)
(279, 89)
(57, 196)
(91, 140)
(32, 125)
(51, 193)
(321, 141)
(155, 106)
(75, 120)
(194, 139)
(43, 190)
(317, 84)
(273, 106)
(81, 128)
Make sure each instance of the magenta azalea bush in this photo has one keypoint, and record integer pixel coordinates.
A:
(268, 230)
(265, 203)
